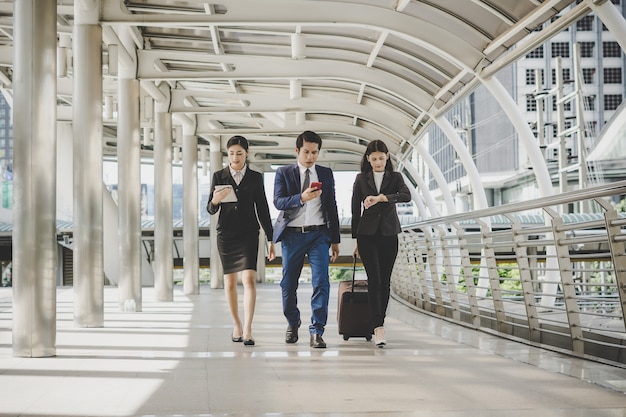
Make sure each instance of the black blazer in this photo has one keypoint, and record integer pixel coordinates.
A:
(381, 217)
(250, 209)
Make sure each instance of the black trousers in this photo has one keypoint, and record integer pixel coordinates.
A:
(378, 254)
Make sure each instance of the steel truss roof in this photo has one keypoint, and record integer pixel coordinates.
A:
(352, 71)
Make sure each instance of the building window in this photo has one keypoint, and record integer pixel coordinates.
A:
(612, 75)
(588, 75)
(586, 49)
(585, 24)
(590, 129)
(555, 18)
(560, 49)
(590, 102)
(612, 101)
(565, 75)
(536, 53)
(531, 104)
(530, 76)
(611, 50)
(567, 106)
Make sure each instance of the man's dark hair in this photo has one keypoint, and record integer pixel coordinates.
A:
(308, 136)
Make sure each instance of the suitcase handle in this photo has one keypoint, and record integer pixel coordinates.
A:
(353, 272)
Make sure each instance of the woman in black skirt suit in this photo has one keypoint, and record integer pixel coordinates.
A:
(375, 225)
(238, 231)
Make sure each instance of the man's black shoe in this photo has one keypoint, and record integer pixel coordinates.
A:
(291, 336)
(317, 341)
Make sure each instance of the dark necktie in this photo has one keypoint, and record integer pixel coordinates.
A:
(307, 180)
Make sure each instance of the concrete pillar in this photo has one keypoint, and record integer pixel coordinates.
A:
(191, 261)
(129, 182)
(216, 163)
(87, 133)
(163, 198)
(34, 184)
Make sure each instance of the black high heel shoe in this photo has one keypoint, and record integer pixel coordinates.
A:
(236, 339)
(248, 342)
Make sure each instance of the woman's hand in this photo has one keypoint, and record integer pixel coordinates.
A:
(272, 252)
(219, 195)
(372, 200)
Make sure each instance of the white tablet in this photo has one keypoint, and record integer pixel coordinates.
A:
(231, 197)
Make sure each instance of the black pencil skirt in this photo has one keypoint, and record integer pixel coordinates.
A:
(239, 252)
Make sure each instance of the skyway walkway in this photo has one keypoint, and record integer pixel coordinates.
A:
(176, 359)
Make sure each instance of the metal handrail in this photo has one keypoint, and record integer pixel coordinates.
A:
(558, 284)
(599, 191)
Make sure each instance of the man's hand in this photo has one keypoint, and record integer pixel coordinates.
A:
(334, 252)
(309, 194)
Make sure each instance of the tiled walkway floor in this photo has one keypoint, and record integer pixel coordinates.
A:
(176, 359)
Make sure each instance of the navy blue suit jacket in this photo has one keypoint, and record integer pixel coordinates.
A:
(287, 192)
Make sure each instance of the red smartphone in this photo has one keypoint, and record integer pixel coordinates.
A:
(316, 185)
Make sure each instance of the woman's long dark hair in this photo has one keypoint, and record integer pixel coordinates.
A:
(237, 140)
(375, 146)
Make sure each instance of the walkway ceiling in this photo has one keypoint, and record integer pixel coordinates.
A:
(352, 71)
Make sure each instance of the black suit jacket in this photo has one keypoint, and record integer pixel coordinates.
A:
(250, 209)
(381, 217)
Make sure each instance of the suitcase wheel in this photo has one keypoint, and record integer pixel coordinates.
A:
(346, 337)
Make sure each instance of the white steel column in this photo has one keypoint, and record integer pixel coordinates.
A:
(423, 187)
(438, 175)
(217, 271)
(34, 192)
(191, 260)
(129, 181)
(612, 18)
(88, 209)
(525, 134)
(163, 197)
(542, 176)
(480, 198)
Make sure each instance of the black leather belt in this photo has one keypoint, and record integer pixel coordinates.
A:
(306, 229)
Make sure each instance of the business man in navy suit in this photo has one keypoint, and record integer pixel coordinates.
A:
(308, 224)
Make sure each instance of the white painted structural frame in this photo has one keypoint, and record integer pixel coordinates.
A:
(88, 235)
(34, 132)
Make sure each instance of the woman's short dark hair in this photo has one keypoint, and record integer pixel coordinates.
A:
(375, 146)
(237, 140)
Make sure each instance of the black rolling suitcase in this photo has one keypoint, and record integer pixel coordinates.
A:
(353, 313)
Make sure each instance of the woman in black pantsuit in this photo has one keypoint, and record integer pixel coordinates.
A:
(375, 225)
(238, 231)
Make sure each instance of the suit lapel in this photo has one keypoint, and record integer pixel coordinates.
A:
(295, 177)
(370, 180)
